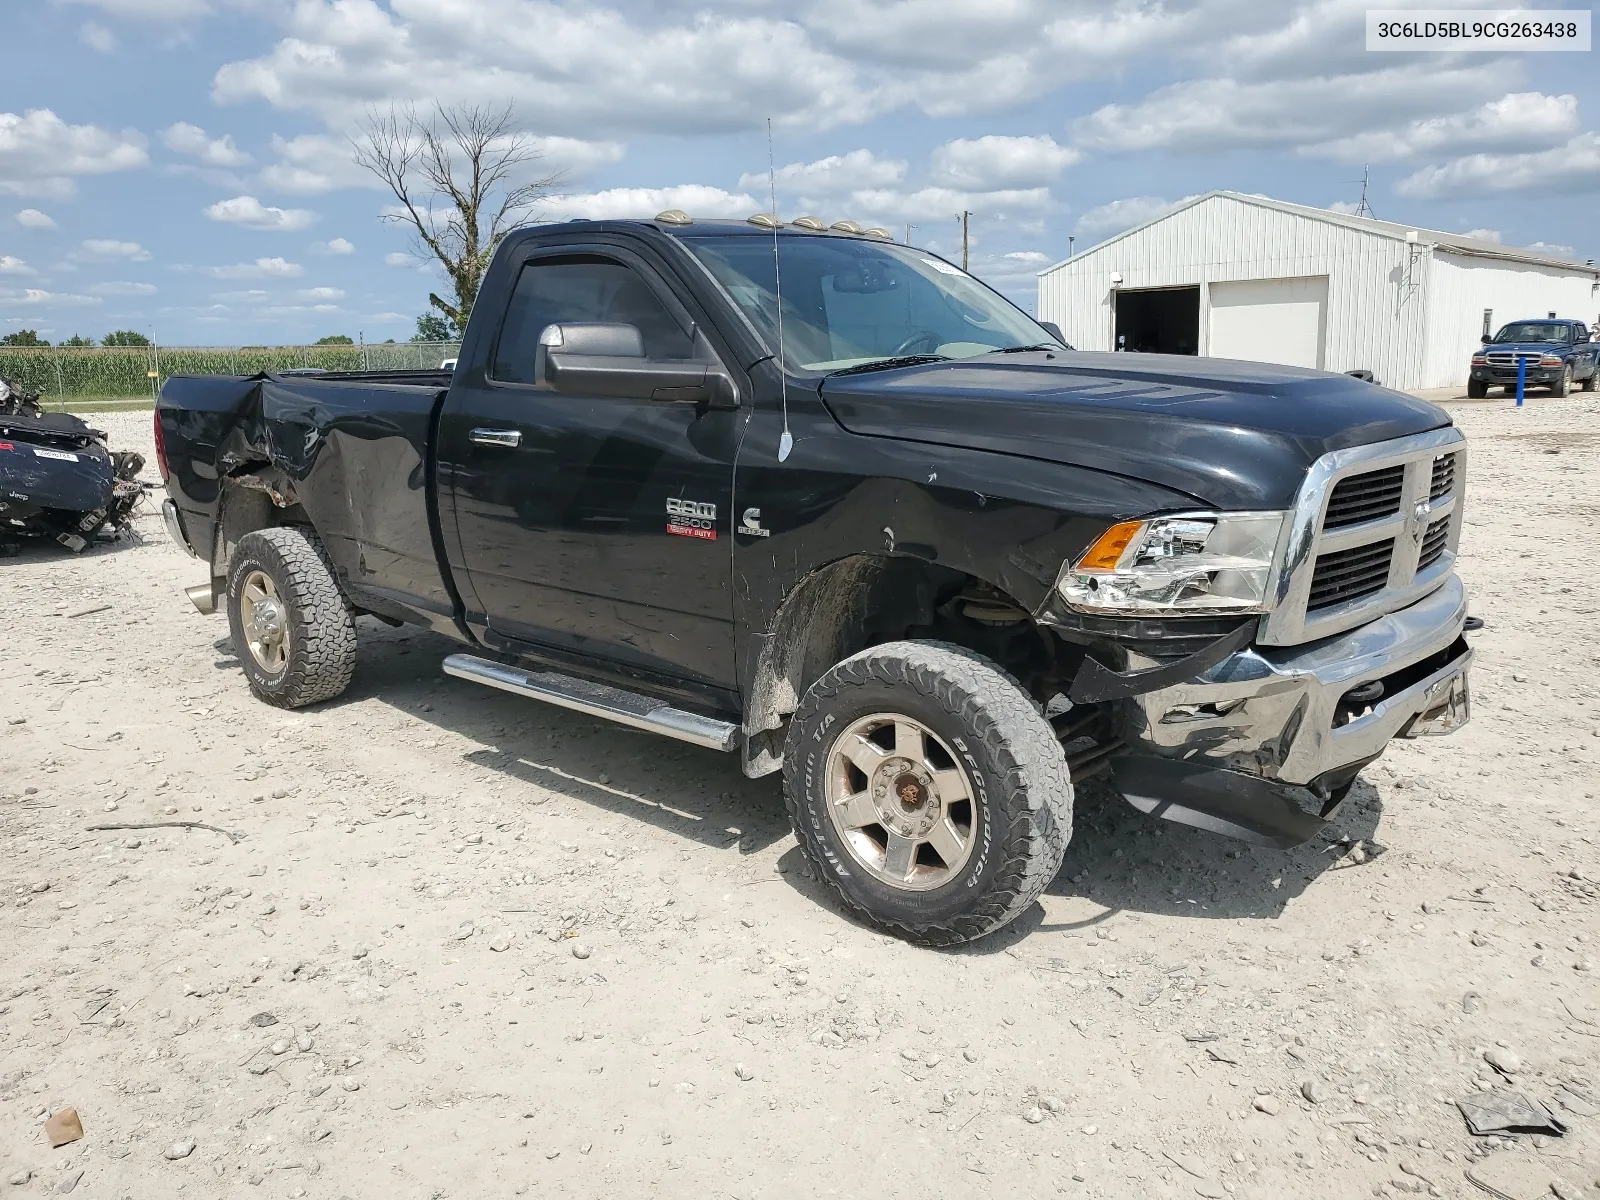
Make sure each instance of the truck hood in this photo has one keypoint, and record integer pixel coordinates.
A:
(1234, 435)
(1526, 347)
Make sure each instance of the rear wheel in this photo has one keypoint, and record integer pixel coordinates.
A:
(1563, 386)
(292, 628)
(1477, 389)
(1590, 383)
(927, 791)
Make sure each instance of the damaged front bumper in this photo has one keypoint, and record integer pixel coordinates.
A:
(1246, 746)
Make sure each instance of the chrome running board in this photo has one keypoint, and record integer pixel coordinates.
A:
(598, 700)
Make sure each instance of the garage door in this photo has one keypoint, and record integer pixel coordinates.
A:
(1270, 320)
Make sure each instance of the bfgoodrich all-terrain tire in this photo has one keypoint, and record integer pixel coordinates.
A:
(292, 627)
(927, 791)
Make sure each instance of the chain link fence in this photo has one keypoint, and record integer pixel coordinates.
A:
(132, 371)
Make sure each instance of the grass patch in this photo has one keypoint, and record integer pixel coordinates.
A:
(97, 403)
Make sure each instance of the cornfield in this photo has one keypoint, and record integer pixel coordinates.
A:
(141, 370)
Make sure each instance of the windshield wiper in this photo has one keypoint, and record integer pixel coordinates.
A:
(884, 364)
(1020, 349)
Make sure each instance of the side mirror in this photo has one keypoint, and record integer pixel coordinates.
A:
(608, 360)
(1054, 331)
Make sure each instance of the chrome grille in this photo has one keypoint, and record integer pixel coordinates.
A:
(1365, 497)
(1508, 358)
(1433, 543)
(1444, 477)
(1347, 575)
(1374, 530)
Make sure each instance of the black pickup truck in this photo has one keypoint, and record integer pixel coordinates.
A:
(891, 537)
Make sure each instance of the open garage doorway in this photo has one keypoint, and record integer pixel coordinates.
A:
(1159, 320)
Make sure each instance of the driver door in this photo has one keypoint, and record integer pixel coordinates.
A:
(568, 508)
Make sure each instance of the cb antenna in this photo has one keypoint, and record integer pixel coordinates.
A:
(786, 441)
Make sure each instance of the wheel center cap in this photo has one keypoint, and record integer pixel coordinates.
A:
(905, 797)
(267, 621)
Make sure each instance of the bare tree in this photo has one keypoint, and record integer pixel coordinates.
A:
(455, 174)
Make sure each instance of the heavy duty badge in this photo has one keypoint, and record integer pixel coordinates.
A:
(692, 518)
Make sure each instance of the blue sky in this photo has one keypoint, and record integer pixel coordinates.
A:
(182, 167)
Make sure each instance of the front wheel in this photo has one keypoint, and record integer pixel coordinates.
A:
(1563, 385)
(292, 627)
(1477, 389)
(927, 791)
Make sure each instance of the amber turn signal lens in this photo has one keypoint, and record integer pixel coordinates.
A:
(1108, 547)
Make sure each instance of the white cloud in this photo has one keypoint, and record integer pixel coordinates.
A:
(1573, 167)
(335, 246)
(184, 138)
(993, 162)
(251, 296)
(1483, 235)
(828, 177)
(261, 268)
(322, 293)
(252, 214)
(1206, 115)
(1028, 258)
(97, 37)
(32, 218)
(313, 163)
(117, 288)
(150, 10)
(1555, 249)
(574, 156)
(40, 154)
(1107, 219)
(103, 248)
(39, 298)
(698, 200)
(1345, 208)
(396, 258)
(10, 264)
(1516, 121)
(933, 205)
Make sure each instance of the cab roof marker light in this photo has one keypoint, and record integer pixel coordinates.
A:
(674, 216)
(765, 221)
(845, 227)
(812, 223)
(879, 232)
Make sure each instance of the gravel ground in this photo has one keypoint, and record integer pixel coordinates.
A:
(464, 945)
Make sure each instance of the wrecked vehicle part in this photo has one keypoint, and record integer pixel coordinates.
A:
(58, 479)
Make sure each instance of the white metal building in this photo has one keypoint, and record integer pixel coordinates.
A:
(1235, 276)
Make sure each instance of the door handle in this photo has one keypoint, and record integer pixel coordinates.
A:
(509, 438)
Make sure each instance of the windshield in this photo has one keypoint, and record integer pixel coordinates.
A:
(847, 302)
(1534, 331)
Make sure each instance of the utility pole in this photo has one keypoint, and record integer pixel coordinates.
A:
(1070, 239)
(1364, 209)
(909, 228)
(964, 215)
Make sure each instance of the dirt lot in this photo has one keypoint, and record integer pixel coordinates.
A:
(462, 945)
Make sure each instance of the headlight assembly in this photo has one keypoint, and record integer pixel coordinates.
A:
(1189, 564)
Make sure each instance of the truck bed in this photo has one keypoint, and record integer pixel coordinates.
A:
(350, 449)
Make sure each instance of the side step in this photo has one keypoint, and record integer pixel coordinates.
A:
(598, 700)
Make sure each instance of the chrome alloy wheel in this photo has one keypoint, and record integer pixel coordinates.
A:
(265, 620)
(902, 804)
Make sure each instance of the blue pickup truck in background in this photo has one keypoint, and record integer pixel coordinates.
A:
(1558, 352)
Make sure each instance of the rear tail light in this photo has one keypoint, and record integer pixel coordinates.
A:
(161, 447)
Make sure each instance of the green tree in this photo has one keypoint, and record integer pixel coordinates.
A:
(78, 341)
(124, 337)
(431, 327)
(23, 337)
(335, 339)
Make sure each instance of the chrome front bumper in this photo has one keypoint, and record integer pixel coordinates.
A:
(1282, 714)
(1227, 750)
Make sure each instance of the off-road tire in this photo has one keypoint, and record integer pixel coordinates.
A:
(322, 627)
(1023, 818)
(1562, 386)
(1477, 389)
